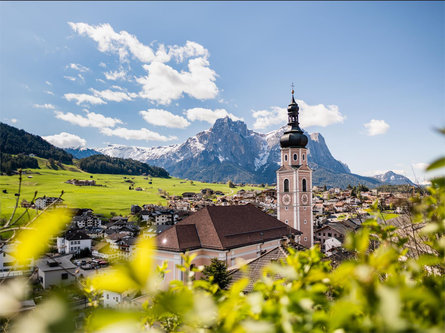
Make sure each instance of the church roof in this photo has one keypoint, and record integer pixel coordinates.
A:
(222, 228)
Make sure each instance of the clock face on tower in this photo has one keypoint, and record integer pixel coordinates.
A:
(304, 199)
(286, 199)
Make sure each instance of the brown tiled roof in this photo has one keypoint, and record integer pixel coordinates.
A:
(342, 227)
(255, 267)
(223, 227)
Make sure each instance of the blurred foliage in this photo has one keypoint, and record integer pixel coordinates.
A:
(381, 288)
(33, 241)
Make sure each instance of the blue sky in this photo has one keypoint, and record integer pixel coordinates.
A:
(369, 76)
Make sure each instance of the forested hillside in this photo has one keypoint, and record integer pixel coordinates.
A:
(114, 165)
(10, 163)
(15, 141)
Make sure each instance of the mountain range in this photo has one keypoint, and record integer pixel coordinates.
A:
(230, 151)
(393, 178)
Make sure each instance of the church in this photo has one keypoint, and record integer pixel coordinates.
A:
(246, 232)
(294, 179)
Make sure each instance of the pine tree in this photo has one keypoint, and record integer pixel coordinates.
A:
(218, 270)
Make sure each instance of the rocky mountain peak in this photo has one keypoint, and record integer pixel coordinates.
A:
(392, 178)
(227, 125)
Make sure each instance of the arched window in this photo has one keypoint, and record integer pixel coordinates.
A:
(303, 157)
(295, 157)
(286, 185)
(285, 157)
(304, 185)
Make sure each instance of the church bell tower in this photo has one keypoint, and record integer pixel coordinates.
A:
(294, 179)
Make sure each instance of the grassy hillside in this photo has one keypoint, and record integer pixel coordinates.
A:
(114, 196)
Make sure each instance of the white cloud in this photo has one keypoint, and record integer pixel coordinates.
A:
(309, 115)
(121, 43)
(48, 83)
(78, 67)
(115, 75)
(124, 43)
(376, 127)
(100, 80)
(49, 92)
(91, 120)
(44, 106)
(160, 117)
(71, 78)
(14, 120)
(84, 98)
(102, 64)
(274, 116)
(208, 115)
(142, 134)
(420, 166)
(164, 84)
(114, 96)
(100, 96)
(65, 140)
(190, 49)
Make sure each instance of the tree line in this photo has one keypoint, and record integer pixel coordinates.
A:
(115, 165)
(10, 163)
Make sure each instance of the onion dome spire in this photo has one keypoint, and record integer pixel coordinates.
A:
(293, 137)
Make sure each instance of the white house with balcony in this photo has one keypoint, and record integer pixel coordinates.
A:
(73, 241)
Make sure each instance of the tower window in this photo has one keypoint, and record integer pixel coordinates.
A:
(305, 221)
(287, 222)
(285, 157)
(303, 157)
(305, 238)
(286, 185)
(304, 185)
(295, 157)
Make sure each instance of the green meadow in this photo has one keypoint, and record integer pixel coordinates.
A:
(113, 196)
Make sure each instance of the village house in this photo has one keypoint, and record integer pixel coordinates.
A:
(43, 202)
(335, 230)
(116, 219)
(73, 241)
(86, 219)
(87, 182)
(225, 233)
(56, 271)
(112, 299)
(8, 267)
(164, 217)
(126, 247)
